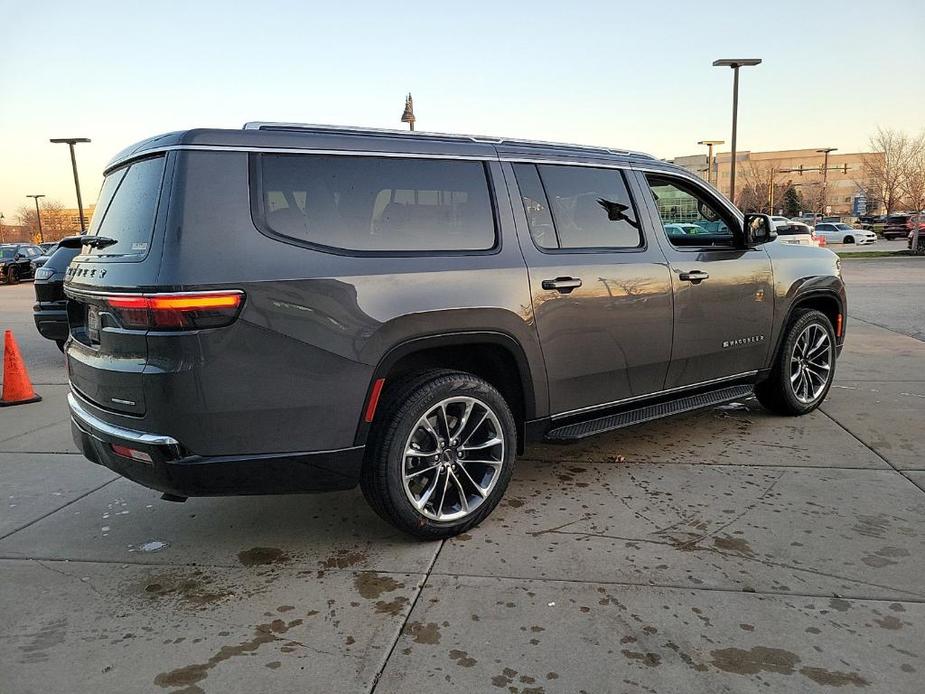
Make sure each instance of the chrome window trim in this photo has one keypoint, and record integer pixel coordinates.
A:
(636, 398)
(295, 150)
(80, 415)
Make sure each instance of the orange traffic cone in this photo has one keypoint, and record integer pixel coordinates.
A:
(17, 388)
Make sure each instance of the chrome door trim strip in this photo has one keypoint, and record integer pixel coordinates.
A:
(636, 398)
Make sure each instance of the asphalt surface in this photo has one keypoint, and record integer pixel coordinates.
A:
(725, 551)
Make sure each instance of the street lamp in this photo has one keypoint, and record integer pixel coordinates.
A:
(38, 214)
(825, 175)
(709, 144)
(1, 227)
(71, 141)
(735, 64)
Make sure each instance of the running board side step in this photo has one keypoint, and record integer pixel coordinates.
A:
(581, 430)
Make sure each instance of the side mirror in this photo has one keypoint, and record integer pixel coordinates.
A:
(758, 229)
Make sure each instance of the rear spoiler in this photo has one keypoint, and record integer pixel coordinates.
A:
(71, 242)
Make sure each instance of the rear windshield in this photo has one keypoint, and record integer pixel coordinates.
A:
(791, 229)
(61, 258)
(126, 208)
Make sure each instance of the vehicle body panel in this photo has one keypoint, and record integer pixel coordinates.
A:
(284, 387)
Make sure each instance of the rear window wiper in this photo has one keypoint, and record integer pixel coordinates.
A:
(98, 241)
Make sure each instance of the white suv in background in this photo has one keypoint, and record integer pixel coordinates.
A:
(836, 232)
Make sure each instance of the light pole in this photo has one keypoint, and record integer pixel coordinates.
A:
(709, 144)
(38, 214)
(71, 141)
(1, 227)
(735, 64)
(825, 175)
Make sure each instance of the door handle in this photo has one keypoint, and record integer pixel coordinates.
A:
(694, 276)
(563, 285)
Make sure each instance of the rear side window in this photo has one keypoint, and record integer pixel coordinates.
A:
(375, 203)
(61, 258)
(126, 208)
(575, 207)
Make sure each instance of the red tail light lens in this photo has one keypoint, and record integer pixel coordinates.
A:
(187, 311)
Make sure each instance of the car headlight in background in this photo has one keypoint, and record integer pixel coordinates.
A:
(43, 273)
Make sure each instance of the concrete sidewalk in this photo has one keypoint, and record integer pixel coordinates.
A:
(728, 550)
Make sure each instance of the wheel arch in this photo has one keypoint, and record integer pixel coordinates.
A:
(827, 301)
(495, 356)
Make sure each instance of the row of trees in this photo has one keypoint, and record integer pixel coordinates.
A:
(56, 222)
(892, 177)
(895, 169)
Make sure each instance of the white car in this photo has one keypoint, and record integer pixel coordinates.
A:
(836, 232)
(795, 233)
(779, 221)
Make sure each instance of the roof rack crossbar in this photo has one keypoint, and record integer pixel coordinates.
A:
(347, 129)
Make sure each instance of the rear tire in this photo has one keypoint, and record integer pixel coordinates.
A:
(803, 368)
(421, 473)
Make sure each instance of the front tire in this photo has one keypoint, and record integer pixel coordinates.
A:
(848, 239)
(440, 455)
(804, 367)
(12, 276)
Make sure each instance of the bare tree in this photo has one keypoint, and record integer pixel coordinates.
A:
(56, 224)
(913, 175)
(886, 165)
(764, 188)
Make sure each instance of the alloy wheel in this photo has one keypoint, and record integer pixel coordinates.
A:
(811, 363)
(453, 458)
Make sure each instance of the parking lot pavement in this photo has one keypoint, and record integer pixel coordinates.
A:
(728, 550)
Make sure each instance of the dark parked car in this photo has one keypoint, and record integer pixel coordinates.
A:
(48, 250)
(297, 308)
(898, 226)
(16, 261)
(50, 309)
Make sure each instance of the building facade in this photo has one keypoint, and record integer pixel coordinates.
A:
(763, 177)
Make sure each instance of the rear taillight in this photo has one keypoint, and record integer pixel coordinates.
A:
(187, 311)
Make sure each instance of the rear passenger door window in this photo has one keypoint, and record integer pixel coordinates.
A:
(578, 207)
(376, 204)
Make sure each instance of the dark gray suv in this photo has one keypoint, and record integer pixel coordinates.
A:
(293, 308)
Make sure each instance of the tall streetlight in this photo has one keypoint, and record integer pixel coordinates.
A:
(71, 141)
(825, 175)
(709, 144)
(1, 227)
(735, 64)
(38, 214)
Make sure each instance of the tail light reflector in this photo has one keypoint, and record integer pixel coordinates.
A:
(127, 452)
(186, 311)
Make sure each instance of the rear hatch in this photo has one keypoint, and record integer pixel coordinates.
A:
(120, 257)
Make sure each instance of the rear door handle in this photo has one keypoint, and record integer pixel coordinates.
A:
(694, 276)
(563, 285)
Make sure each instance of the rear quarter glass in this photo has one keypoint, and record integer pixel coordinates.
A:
(127, 208)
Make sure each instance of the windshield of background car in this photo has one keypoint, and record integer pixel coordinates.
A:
(7, 253)
(792, 229)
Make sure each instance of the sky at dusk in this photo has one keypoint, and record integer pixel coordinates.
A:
(627, 74)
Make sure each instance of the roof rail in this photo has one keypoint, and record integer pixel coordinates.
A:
(386, 132)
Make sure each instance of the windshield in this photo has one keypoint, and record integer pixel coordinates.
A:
(126, 208)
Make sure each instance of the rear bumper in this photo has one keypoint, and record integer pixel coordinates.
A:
(51, 320)
(174, 471)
